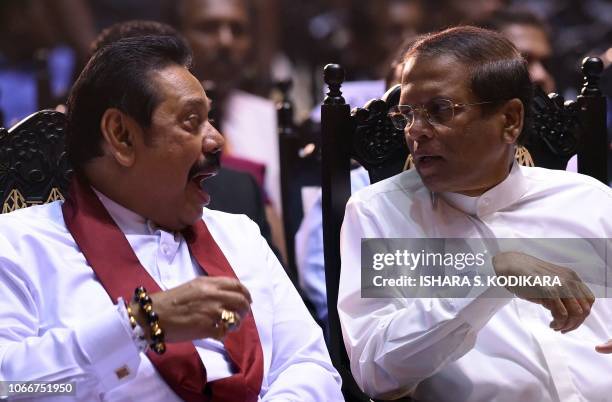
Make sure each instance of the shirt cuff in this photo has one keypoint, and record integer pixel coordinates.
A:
(108, 346)
(479, 310)
(138, 335)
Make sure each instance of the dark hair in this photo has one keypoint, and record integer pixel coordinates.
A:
(129, 29)
(118, 76)
(497, 70)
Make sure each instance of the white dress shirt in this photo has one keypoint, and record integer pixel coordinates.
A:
(476, 349)
(57, 323)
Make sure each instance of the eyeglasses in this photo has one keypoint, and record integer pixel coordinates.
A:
(436, 112)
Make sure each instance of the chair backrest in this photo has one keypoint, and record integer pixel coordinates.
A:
(34, 168)
(368, 137)
(561, 129)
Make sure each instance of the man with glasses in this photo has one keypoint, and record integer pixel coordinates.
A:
(464, 102)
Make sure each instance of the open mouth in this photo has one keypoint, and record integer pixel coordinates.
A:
(199, 178)
(425, 159)
(205, 169)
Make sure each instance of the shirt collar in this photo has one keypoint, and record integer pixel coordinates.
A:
(128, 221)
(506, 193)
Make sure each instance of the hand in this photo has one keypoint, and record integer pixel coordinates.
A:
(193, 310)
(605, 348)
(570, 303)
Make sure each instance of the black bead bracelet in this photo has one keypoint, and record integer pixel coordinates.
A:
(157, 334)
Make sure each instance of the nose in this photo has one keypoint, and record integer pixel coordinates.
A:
(212, 141)
(226, 35)
(421, 128)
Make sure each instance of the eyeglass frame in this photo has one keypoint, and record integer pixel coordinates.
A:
(422, 108)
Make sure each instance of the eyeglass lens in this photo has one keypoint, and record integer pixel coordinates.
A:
(437, 111)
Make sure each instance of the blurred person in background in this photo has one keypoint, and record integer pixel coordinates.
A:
(446, 13)
(80, 21)
(221, 33)
(35, 67)
(375, 27)
(531, 37)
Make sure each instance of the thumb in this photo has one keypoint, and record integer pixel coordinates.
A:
(604, 348)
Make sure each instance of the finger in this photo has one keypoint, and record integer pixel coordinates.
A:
(585, 307)
(604, 348)
(558, 312)
(585, 303)
(233, 301)
(232, 284)
(224, 326)
(219, 331)
(237, 323)
(575, 316)
(584, 297)
(588, 295)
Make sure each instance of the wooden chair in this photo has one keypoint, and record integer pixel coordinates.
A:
(369, 137)
(560, 130)
(34, 168)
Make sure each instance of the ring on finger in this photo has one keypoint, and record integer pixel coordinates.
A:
(229, 319)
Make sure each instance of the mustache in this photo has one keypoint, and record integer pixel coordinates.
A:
(208, 166)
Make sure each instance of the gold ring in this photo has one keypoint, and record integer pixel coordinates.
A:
(229, 319)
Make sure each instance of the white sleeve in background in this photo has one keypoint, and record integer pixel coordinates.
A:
(395, 343)
(98, 354)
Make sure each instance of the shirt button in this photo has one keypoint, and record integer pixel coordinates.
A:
(164, 249)
(486, 201)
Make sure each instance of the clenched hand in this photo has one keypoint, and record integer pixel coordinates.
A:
(193, 310)
(569, 304)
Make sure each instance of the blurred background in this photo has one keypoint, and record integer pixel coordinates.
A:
(290, 39)
(249, 54)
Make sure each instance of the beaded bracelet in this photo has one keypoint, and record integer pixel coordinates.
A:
(133, 322)
(157, 334)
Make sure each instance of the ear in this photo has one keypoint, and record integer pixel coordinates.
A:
(118, 131)
(512, 119)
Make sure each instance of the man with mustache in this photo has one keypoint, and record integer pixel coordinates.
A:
(233, 191)
(131, 288)
(221, 34)
(464, 101)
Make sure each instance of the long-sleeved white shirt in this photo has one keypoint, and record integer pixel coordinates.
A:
(476, 349)
(57, 323)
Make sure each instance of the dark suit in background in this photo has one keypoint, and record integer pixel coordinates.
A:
(238, 193)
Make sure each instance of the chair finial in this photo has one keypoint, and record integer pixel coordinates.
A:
(592, 68)
(333, 75)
